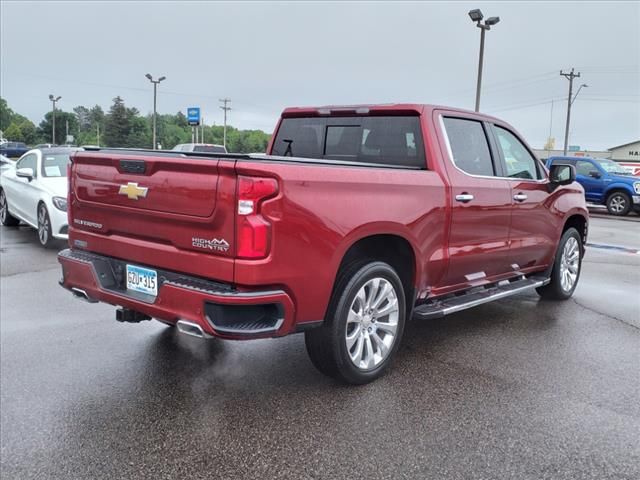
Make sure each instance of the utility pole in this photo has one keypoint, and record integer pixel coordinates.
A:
(569, 76)
(66, 138)
(226, 109)
(98, 134)
(155, 87)
(54, 100)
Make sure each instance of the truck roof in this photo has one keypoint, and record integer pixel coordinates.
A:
(374, 109)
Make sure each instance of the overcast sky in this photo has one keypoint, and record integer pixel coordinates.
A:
(268, 55)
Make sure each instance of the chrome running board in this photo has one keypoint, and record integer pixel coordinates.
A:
(449, 304)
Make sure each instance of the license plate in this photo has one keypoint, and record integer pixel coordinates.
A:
(142, 280)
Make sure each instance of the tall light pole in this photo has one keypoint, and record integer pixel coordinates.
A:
(226, 109)
(54, 100)
(569, 76)
(155, 95)
(584, 85)
(476, 16)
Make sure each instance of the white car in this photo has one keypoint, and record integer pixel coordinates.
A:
(5, 163)
(200, 147)
(35, 192)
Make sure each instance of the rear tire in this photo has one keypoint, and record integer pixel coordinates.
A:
(364, 324)
(619, 204)
(6, 218)
(566, 268)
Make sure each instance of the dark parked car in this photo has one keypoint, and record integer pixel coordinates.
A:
(13, 149)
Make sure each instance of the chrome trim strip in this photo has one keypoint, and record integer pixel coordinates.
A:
(491, 298)
(542, 181)
(225, 294)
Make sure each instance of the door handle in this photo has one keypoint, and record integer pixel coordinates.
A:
(520, 197)
(464, 197)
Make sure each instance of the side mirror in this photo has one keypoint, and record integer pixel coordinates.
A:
(560, 174)
(25, 173)
(594, 174)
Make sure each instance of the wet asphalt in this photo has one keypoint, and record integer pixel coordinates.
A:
(518, 389)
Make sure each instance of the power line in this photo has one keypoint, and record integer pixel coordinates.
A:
(513, 83)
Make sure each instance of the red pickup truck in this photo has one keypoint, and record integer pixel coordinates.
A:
(356, 220)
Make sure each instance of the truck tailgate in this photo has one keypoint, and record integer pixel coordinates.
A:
(161, 210)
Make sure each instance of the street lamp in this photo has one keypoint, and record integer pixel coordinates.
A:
(476, 16)
(53, 126)
(579, 88)
(155, 86)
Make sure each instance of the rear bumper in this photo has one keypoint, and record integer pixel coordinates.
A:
(219, 309)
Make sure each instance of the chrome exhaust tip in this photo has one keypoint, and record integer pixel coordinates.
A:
(190, 328)
(82, 295)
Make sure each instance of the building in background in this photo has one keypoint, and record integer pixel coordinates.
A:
(628, 155)
(629, 152)
(543, 154)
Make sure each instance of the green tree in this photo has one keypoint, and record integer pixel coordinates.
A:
(90, 122)
(62, 119)
(140, 131)
(13, 132)
(83, 114)
(21, 129)
(6, 115)
(29, 132)
(117, 124)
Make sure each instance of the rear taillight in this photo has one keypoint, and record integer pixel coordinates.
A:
(253, 230)
(69, 193)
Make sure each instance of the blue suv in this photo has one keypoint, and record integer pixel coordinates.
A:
(605, 182)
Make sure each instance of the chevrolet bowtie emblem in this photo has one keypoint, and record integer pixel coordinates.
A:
(133, 191)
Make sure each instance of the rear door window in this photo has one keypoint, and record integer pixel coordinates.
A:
(384, 140)
(469, 146)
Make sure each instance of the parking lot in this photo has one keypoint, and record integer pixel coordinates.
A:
(513, 389)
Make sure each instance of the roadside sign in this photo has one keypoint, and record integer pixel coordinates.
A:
(193, 116)
(574, 148)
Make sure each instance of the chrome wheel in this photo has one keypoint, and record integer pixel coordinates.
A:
(372, 324)
(569, 264)
(43, 225)
(3, 207)
(617, 204)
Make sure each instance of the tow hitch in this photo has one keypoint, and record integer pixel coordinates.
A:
(130, 316)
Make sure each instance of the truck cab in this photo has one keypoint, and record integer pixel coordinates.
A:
(605, 182)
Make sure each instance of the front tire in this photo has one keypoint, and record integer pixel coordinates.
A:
(363, 327)
(566, 268)
(6, 218)
(44, 227)
(619, 204)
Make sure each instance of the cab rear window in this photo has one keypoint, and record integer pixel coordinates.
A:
(384, 140)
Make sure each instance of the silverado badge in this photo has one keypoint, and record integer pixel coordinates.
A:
(133, 191)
